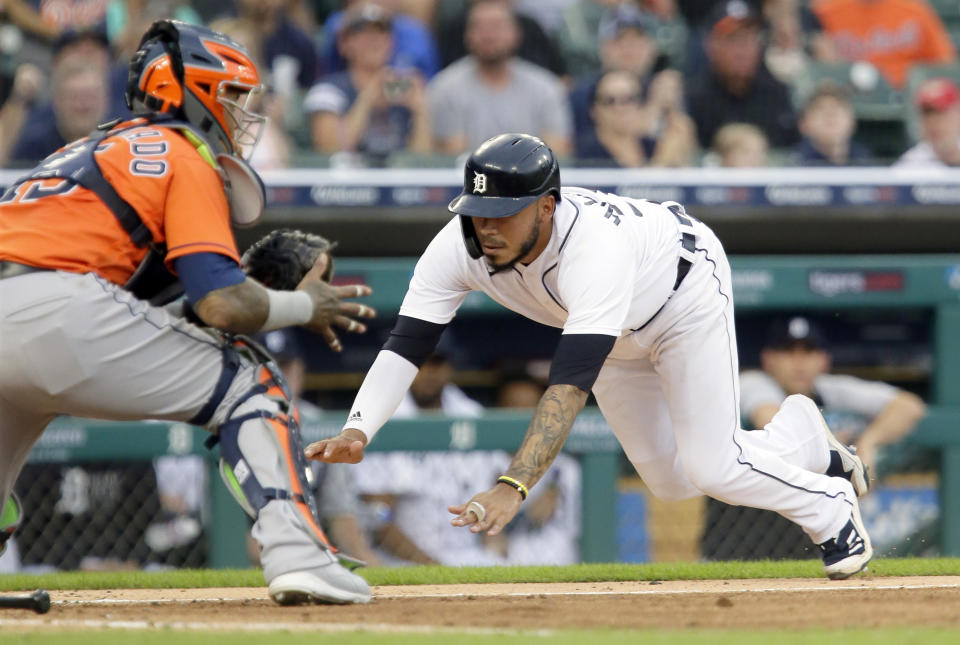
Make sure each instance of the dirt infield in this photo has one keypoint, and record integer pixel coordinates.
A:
(747, 604)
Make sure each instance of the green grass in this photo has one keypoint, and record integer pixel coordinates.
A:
(192, 578)
(923, 636)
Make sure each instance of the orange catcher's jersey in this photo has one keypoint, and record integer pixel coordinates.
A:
(57, 224)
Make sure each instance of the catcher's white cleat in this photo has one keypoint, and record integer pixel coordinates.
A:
(329, 584)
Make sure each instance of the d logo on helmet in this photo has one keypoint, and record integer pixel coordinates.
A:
(479, 182)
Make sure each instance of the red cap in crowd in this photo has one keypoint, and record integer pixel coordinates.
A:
(937, 94)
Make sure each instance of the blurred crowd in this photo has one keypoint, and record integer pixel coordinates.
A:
(607, 83)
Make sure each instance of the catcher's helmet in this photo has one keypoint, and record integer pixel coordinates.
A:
(504, 175)
(197, 75)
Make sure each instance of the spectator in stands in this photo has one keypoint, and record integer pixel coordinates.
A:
(414, 47)
(867, 414)
(286, 49)
(626, 42)
(579, 36)
(547, 13)
(371, 107)
(626, 39)
(423, 10)
(630, 133)
(697, 13)
(738, 87)
(23, 90)
(47, 20)
(31, 26)
(796, 36)
(739, 145)
(534, 44)
(125, 22)
(673, 33)
(796, 360)
(80, 97)
(890, 34)
(827, 124)
(491, 91)
(938, 102)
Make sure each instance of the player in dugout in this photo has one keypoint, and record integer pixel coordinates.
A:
(113, 225)
(642, 291)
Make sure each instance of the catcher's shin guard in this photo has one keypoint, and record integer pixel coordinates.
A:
(10, 517)
(264, 467)
(262, 454)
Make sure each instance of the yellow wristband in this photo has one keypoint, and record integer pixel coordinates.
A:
(510, 481)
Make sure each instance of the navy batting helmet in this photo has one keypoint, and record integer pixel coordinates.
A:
(504, 175)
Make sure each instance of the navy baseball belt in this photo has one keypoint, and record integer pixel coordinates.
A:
(13, 269)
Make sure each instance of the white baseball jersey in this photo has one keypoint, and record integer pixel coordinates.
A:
(669, 386)
(610, 265)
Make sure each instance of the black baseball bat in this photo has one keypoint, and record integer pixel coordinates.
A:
(39, 601)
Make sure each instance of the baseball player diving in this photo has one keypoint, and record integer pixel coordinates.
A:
(111, 226)
(642, 292)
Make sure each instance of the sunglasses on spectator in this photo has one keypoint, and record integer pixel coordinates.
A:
(611, 99)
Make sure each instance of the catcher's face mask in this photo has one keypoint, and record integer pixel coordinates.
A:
(245, 124)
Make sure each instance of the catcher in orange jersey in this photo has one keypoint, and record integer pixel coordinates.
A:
(110, 227)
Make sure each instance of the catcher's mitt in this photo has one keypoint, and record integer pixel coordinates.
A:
(280, 259)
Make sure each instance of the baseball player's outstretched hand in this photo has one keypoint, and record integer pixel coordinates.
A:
(346, 447)
(329, 310)
(489, 511)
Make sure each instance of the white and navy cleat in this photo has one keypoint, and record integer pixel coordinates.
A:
(849, 552)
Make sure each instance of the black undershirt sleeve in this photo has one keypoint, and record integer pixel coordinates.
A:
(414, 339)
(578, 359)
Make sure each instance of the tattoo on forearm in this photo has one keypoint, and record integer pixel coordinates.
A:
(547, 433)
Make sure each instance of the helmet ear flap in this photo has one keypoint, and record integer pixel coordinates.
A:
(470, 237)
